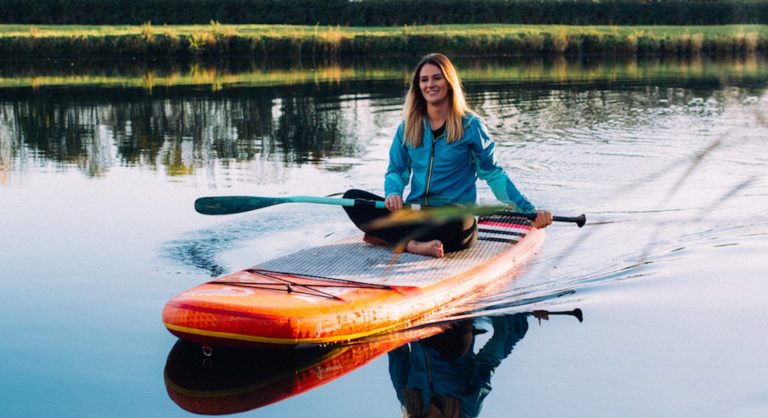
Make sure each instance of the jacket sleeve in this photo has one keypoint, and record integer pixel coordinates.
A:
(399, 168)
(490, 171)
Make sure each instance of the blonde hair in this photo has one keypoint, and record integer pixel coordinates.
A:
(415, 108)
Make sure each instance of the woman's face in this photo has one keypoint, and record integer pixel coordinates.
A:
(433, 85)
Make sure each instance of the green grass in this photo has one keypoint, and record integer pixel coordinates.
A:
(346, 31)
(73, 30)
(221, 40)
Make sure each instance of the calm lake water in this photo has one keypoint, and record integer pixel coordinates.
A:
(100, 165)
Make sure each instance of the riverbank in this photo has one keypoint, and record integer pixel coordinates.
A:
(217, 41)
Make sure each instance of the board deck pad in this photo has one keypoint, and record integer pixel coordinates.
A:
(345, 289)
(351, 259)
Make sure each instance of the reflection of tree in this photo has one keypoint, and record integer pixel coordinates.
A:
(6, 144)
(312, 127)
(52, 132)
(536, 113)
(182, 130)
(184, 133)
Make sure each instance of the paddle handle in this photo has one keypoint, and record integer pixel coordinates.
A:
(577, 313)
(578, 220)
(379, 204)
(337, 201)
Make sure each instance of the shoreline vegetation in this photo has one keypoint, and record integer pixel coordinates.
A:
(218, 41)
(386, 12)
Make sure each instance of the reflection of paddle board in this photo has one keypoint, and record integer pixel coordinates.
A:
(233, 380)
(345, 290)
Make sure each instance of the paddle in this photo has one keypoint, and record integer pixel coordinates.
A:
(227, 205)
(541, 314)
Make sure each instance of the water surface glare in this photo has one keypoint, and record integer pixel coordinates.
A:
(99, 170)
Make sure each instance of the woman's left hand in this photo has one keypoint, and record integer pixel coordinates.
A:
(543, 219)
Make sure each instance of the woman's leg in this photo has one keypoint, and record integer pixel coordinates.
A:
(421, 239)
(455, 236)
(363, 216)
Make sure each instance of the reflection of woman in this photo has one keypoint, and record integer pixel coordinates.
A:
(440, 149)
(443, 377)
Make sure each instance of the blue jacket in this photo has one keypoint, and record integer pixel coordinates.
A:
(442, 173)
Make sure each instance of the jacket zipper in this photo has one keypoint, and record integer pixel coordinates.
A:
(429, 175)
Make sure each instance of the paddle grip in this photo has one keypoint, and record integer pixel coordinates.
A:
(365, 203)
(578, 220)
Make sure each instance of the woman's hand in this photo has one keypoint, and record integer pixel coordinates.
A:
(543, 219)
(393, 202)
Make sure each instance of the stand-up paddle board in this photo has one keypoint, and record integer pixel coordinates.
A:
(346, 290)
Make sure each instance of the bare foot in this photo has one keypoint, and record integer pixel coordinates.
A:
(432, 248)
(370, 239)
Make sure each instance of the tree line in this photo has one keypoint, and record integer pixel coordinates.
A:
(385, 12)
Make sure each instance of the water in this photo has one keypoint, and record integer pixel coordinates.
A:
(100, 165)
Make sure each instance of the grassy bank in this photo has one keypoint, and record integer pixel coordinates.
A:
(216, 40)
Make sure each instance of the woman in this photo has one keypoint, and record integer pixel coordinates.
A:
(441, 148)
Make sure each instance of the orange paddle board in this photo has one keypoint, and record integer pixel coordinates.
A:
(346, 290)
